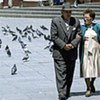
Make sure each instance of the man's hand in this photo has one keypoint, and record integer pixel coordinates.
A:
(68, 47)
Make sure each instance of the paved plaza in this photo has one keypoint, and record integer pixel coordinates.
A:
(34, 79)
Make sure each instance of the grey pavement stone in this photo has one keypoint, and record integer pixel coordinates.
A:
(35, 79)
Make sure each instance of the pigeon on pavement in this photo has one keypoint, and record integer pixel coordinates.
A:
(13, 70)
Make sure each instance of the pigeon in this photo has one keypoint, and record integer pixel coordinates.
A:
(39, 33)
(8, 51)
(47, 47)
(12, 32)
(7, 26)
(4, 29)
(20, 31)
(51, 49)
(26, 51)
(19, 39)
(47, 37)
(25, 29)
(50, 46)
(32, 29)
(0, 41)
(34, 36)
(15, 37)
(6, 48)
(29, 38)
(43, 27)
(13, 69)
(29, 31)
(24, 34)
(26, 58)
(23, 45)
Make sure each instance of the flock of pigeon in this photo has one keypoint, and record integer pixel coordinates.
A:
(28, 33)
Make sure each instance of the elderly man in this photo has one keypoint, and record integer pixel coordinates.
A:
(66, 35)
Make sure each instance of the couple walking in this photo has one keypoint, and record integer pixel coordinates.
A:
(66, 34)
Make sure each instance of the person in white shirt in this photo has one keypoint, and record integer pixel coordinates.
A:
(10, 3)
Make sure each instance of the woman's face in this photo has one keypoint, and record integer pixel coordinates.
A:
(87, 19)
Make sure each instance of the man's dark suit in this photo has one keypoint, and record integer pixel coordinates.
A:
(64, 61)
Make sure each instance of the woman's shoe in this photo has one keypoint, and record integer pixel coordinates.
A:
(88, 93)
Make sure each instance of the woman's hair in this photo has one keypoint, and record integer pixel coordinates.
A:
(90, 12)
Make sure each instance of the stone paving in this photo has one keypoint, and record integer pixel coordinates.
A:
(35, 79)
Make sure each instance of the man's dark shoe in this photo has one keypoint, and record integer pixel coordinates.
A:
(67, 95)
(62, 98)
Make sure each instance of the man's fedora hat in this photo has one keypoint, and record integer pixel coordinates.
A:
(66, 6)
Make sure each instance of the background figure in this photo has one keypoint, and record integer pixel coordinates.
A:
(80, 1)
(65, 34)
(90, 51)
(76, 3)
(41, 3)
(61, 2)
(58, 2)
(10, 3)
(51, 2)
(1, 3)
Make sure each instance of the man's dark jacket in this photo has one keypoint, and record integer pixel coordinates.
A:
(62, 34)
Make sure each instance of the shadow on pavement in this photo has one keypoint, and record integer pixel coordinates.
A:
(77, 93)
(83, 93)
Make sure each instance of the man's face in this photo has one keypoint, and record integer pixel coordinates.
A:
(87, 19)
(66, 14)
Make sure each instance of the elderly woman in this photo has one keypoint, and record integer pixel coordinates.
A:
(90, 51)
